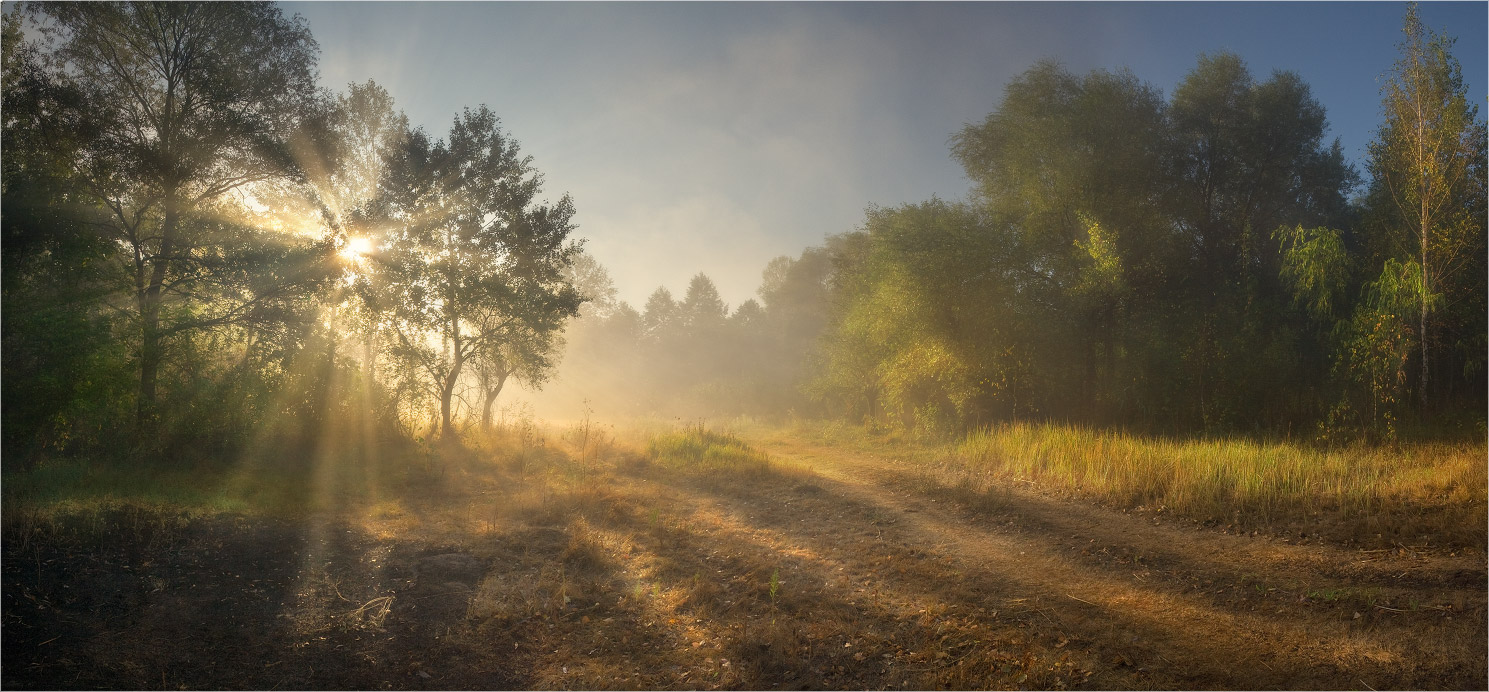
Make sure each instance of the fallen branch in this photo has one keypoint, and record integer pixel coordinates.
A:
(1442, 609)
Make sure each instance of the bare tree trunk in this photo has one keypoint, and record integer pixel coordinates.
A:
(491, 395)
(1422, 335)
(447, 394)
(149, 304)
(447, 389)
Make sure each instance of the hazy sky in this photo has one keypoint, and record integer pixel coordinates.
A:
(712, 137)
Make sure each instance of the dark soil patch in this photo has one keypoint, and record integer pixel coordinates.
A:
(556, 575)
(232, 602)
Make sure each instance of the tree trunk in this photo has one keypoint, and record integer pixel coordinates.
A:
(369, 361)
(447, 393)
(149, 303)
(1422, 334)
(149, 366)
(1088, 383)
(491, 395)
(447, 389)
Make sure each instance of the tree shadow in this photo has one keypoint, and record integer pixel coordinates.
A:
(1143, 621)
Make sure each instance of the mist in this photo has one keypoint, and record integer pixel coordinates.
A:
(743, 346)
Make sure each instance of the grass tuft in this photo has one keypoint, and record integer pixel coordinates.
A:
(697, 448)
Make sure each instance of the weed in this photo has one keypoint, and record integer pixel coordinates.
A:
(590, 439)
(370, 615)
(775, 587)
(1329, 595)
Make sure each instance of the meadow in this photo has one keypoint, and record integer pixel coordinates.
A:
(740, 555)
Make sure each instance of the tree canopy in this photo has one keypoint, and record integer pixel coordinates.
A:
(183, 202)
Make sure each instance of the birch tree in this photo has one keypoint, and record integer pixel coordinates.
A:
(1421, 162)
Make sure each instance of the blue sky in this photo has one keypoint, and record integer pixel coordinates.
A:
(714, 136)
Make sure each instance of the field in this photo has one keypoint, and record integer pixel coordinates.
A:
(758, 558)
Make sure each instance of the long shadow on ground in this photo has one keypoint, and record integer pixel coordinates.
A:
(1110, 638)
(233, 602)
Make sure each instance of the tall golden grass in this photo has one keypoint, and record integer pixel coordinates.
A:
(1410, 491)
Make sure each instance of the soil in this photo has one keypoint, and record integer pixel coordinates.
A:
(852, 573)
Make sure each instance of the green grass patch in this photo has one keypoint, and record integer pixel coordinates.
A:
(273, 483)
(76, 484)
(699, 449)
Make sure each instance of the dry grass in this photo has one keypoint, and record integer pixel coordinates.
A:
(1421, 494)
(679, 558)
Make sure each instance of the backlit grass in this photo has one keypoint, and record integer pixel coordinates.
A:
(1414, 494)
(697, 448)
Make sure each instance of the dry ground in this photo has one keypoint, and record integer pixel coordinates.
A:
(832, 569)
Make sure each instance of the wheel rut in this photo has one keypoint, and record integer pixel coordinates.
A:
(1197, 607)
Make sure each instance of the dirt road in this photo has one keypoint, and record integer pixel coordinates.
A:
(1188, 607)
(831, 570)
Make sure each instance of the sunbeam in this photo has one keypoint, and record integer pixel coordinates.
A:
(743, 346)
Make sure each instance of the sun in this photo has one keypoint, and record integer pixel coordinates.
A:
(357, 247)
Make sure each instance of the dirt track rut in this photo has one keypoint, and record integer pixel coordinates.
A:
(1195, 607)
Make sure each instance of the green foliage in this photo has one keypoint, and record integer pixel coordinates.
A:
(1114, 269)
(176, 189)
(159, 110)
(1427, 203)
(1378, 341)
(915, 343)
(468, 254)
(1102, 278)
(1316, 265)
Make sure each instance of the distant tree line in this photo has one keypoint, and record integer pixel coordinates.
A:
(692, 356)
(204, 251)
(1188, 264)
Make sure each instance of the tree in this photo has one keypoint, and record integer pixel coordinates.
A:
(180, 104)
(1422, 162)
(703, 310)
(472, 262)
(661, 317)
(1064, 154)
(796, 295)
(593, 282)
(1251, 158)
(525, 355)
(66, 376)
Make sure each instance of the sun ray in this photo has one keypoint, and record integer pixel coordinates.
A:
(357, 247)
